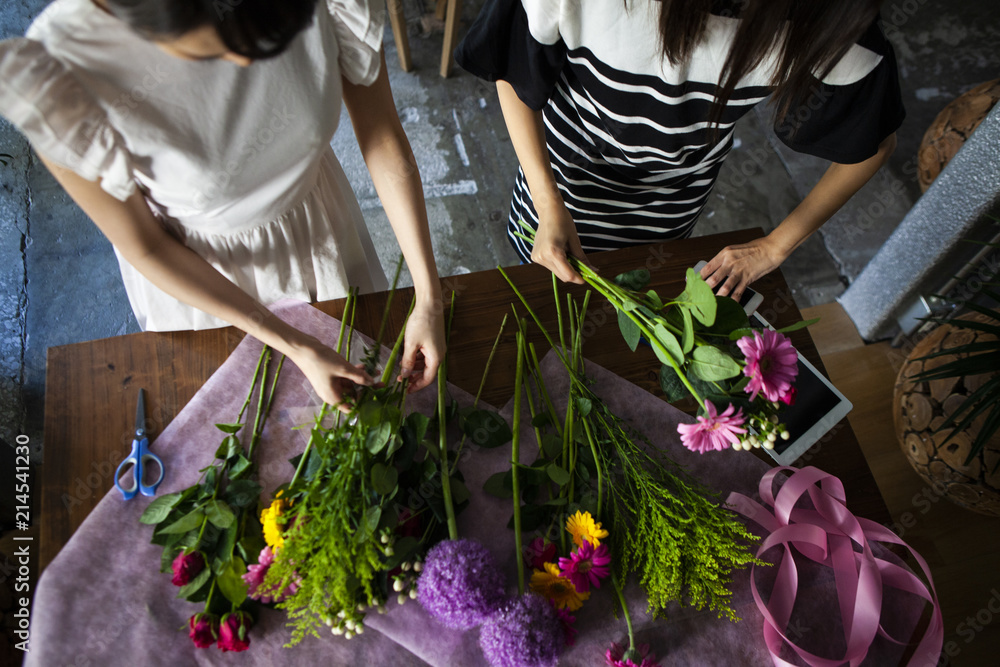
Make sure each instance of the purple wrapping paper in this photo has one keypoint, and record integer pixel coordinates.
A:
(102, 601)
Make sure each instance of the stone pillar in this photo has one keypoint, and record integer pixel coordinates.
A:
(915, 260)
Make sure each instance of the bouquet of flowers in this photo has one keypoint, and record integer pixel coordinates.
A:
(739, 376)
(206, 531)
(662, 526)
(343, 535)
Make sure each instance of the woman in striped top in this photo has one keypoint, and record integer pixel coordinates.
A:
(621, 113)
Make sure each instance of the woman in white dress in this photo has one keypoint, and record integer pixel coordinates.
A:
(196, 135)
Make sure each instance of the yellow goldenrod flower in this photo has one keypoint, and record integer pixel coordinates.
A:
(582, 527)
(557, 588)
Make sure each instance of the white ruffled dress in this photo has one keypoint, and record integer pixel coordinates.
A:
(235, 161)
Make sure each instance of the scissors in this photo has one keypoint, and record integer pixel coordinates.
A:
(139, 457)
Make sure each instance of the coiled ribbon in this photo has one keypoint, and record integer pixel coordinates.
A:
(826, 534)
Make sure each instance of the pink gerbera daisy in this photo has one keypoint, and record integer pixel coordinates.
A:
(617, 656)
(254, 579)
(772, 364)
(714, 431)
(586, 566)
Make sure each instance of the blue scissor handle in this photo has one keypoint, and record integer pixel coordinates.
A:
(138, 457)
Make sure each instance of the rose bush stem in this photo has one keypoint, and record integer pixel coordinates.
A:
(253, 383)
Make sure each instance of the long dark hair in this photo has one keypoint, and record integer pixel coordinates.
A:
(255, 29)
(810, 37)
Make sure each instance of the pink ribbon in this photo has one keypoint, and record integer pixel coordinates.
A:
(827, 533)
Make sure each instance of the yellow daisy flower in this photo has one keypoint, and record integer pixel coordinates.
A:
(557, 588)
(273, 523)
(582, 527)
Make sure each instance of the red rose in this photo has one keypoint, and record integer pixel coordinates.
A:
(204, 629)
(233, 635)
(538, 553)
(186, 567)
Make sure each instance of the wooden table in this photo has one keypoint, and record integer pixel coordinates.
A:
(91, 387)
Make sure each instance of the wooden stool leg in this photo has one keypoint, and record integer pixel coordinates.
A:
(398, 21)
(450, 36)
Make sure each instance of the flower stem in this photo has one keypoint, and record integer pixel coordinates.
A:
(628, 618)
(449, 507)
(515, 451)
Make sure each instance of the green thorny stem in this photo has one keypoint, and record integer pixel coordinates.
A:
(515, 460)
(616, 296)
(442, 383)
(372, 357)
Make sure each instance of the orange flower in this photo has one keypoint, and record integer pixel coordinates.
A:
(557, 588)
(582, 527)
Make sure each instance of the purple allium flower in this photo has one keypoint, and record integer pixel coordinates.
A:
(460, 585)
(525, 632)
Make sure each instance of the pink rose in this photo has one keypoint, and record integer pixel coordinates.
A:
(204, 629)
(186, 567)
(233, 634)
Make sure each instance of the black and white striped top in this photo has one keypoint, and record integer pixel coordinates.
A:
(628, 134)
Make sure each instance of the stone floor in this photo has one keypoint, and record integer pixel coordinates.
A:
(59, 281)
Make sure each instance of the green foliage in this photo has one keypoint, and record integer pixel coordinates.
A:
(214, 516)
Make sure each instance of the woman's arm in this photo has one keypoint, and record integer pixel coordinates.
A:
(394, 172)
(181, 273)
(556, 236)
(735, 267)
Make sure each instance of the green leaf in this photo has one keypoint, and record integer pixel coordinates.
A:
(500, 485)
(384, 478)
(459, 492)
(552, 445)
(628, 305)
(729, 316)
(230, 581)
(219, 513)
(159, 509)
(229, 448)
(635, 280)
(242, 493)
(189, 521)
(372, 516)
(486, 428)
(229, 428)
(798, 325)
(239, 467)
(583, 405)
(654, 300)
(671, 384)
(417, 423)
(736, 334)
(192, 586)
(630, 330)
(378, 437)
(712, 364)
(668, 341)
(687, 339)
(541, 420)
(557, 474)
(699, 297)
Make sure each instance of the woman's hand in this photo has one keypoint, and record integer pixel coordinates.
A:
(423, 344)
(736, 266)
(555, 240)
(332, 377)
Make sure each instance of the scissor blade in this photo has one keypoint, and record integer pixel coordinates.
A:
(140, 414)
